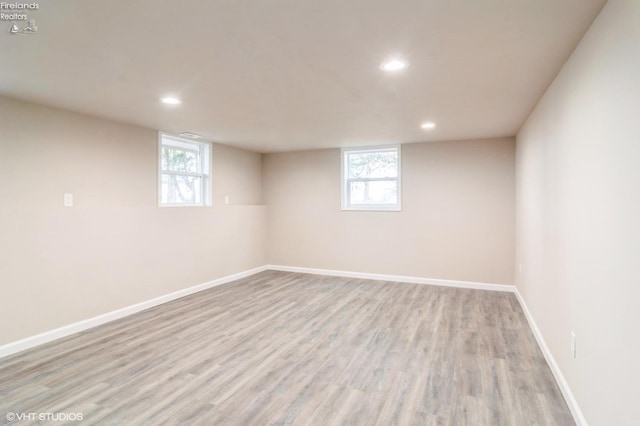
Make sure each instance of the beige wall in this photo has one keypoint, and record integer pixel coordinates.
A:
(115, 247)
(457, 219)
(578, 212)
(236, 174)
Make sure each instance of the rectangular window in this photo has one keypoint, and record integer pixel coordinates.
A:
(371, 178)
(184, 172)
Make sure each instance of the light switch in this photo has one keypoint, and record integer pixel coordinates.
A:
(68, 200)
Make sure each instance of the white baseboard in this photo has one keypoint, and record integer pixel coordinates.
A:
(396, 278)
(30, 342)
(562, 383)
(578, 417)
(67, 330)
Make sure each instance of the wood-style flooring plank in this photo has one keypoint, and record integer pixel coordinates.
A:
(282, 348)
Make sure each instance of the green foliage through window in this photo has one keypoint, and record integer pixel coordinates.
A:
(371, 178)
(183, 172)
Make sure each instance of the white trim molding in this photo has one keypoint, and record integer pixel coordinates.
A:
(576, 412)
(396, 278)
(67, 330)
(345, 179)
(58, 333)
(578, 417)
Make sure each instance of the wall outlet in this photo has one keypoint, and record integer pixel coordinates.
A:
(573, 345)
(226, 199)
(520, 268)
(68, 200)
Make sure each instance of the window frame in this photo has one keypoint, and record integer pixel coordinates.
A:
(345, 180)
(204, 149)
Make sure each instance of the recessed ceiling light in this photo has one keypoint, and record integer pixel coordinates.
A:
(394, 65)
(170, 100)
(428, 125)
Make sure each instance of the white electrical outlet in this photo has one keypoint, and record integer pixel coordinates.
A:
(226, 199)
(68, 200)
(520, 267)
(573, 345)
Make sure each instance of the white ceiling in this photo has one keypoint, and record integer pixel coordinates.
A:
(297, 74)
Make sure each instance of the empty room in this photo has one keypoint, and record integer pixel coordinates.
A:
(320, 212)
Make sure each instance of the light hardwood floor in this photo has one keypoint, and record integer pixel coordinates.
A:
(285, 348)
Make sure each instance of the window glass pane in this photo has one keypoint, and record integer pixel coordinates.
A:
(374, 192)
(180, 160)
(176, 189)
(372, 164)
